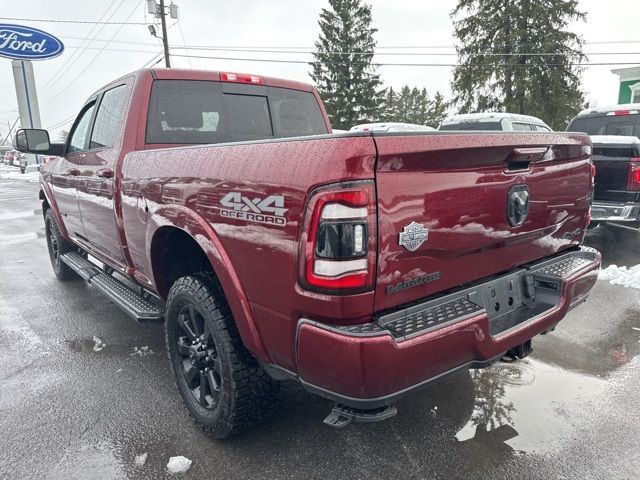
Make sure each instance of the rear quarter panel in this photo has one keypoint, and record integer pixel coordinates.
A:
(184, 187)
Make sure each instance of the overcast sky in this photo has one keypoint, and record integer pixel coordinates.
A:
(66, 81)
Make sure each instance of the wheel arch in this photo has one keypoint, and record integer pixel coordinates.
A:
(178, 227)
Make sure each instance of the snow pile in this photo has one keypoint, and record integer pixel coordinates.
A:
(625, 276)
(140, 460)
(98, 344)
(178, 464)
(16, 175)
(142, 351)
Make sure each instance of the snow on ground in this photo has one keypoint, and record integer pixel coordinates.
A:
(13, 173)
(142, 351)
(98, 344)
(178, 464)
(625, 276)
(140, 460)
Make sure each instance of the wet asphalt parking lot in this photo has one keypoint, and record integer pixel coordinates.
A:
(77, 407)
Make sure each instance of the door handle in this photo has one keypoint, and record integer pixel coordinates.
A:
(105, 173)
(73, 171)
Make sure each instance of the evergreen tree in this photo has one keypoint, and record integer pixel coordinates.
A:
(388, 107)
(342, 70)
(403, 105)
(438, 111)
(513, 78)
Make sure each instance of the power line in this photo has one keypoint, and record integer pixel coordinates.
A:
(86, 41)
(132, 50)
(411, 54)
(79, 75)
(383, 64)
(47, 20)
(184, 42)
(61, 123)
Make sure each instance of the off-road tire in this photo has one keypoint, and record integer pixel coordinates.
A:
(246, 394)
(57, 246)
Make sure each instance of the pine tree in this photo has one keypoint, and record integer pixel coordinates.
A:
(512, 78)
(403, 105)
(438, 111)
(388, 106)
(346, 80)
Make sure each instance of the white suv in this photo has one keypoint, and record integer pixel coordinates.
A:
(505, 122)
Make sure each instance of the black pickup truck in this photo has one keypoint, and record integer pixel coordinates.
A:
(615, 133)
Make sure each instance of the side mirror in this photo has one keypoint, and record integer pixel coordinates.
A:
(34, 140)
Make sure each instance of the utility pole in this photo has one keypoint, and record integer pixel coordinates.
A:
(165, 40)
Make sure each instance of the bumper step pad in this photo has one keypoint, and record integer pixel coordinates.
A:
(415, 320)
(132, 301)
(508, 300)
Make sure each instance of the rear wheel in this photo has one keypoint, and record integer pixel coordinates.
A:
(57, 246)
(223, 387)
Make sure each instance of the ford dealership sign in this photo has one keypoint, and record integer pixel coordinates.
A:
(26, 43)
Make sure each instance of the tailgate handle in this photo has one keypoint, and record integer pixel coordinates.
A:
(521, 158)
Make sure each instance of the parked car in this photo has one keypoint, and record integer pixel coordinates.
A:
(10, 156)
(391, 127)
(505, 122)
(362, 266)
(4, 149)
(615, 132)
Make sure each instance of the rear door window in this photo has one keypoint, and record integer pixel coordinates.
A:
(109, 118)
(201, 112)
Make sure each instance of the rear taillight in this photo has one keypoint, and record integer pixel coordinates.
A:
(633, 183)
(338, 243)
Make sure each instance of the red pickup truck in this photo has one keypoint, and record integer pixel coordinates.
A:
(362, 265)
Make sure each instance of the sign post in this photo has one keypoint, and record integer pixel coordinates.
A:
(27, 98)
(22, 44)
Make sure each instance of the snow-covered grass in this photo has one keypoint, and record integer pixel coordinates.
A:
(625, 276)
(13, 173)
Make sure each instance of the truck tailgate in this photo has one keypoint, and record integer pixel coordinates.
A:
(611, 157)
(458, 187)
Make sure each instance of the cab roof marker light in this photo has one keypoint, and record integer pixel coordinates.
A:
(241, 78)
(623, 112)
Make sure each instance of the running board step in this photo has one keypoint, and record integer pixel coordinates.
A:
(80, 265)
(131, 301)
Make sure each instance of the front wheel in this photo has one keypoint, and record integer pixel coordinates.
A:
(223, 387)
(57, 246)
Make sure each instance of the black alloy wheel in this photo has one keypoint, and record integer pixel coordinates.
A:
(201, 365)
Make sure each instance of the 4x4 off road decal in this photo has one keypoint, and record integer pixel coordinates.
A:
(268, 210)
